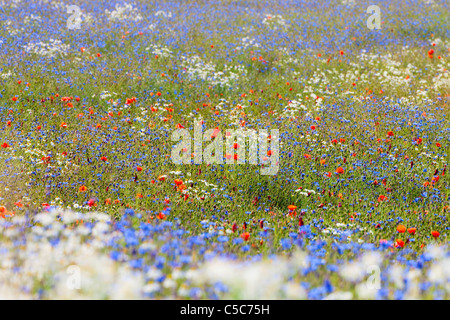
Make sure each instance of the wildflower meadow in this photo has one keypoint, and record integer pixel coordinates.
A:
(224, 149)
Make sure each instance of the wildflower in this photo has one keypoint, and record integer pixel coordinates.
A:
(339, 170)
(139, 168)
(401, 228)
(399, 243)
(91, 203)
(5, 145)
(245, 236)
(3, 211)
(161, 216)
(435, 234)
(412, 231)
(82, 189)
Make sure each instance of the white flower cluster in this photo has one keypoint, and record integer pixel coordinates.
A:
(196, 69)
(50, 49)
(123, 12)
(56, 254)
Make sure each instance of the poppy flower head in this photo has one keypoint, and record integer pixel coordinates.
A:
(245, 236)
(399, 243)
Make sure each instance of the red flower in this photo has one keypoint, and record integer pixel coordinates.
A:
(381, 198)
(139, 168)
(245, 236)
(339, 170)
(300, 222)
(5, 145)
(390, 134)
(435, 234)
(104, 159)
(161, 216)
(399, 243)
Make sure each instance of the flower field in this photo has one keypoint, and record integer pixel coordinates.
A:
(93, 204)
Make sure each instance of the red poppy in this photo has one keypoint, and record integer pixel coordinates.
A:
(161, 216)
(435, 234)
(245, 236)
(91, 203)
(399, 243)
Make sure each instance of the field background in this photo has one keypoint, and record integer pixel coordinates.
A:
(87, 177)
